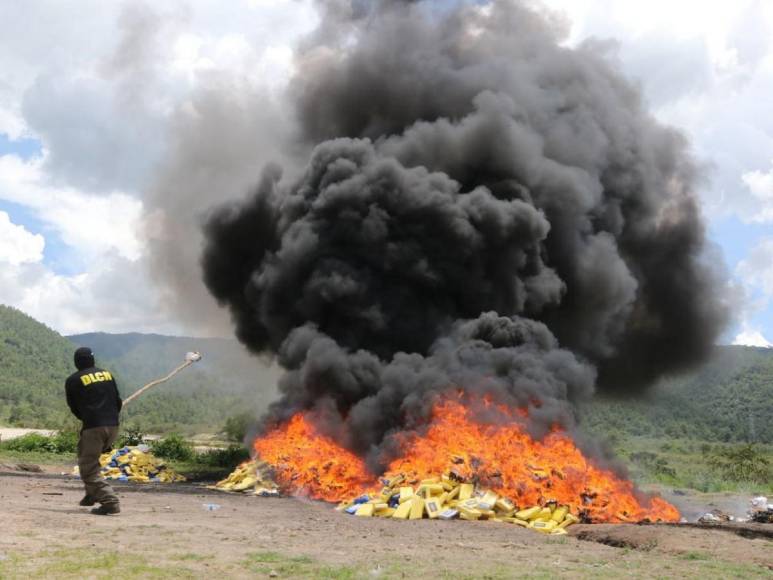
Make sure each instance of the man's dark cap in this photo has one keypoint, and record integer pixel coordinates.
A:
(83, 358)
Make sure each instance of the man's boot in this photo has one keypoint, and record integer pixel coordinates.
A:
(87, 501)
(107, 509)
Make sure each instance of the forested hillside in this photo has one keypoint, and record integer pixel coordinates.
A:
(728, 400)
(34, 361)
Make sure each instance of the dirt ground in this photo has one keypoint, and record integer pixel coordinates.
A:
(167, 531)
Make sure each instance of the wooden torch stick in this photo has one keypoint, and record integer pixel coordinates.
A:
(190, 358)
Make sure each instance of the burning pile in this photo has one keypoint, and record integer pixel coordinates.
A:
(498, 457)
(136, 464)
(447, 497)
(250, 477)
(501, 216)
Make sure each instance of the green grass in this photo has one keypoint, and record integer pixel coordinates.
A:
(40, 457)
(548, 563)
(660, 566)
(197, 471)
(685, 464)
(695, 556)
(77, 563)
(297, 566)
(724, 569)
(191, 557)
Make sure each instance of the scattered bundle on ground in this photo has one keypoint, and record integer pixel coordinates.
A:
(136, 464)
(448, 497)
(761, 511)
(250, 477)
(762, 516)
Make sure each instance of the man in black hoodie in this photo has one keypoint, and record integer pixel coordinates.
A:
(93, 398)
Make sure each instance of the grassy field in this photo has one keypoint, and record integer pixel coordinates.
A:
(37, 457)
(691, 464)
(99, 563)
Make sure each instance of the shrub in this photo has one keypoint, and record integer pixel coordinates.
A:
(173, 446)
(653, 463)
(28, 442)
(741, 463)
(235, 428)
(229, 457)
(64, 442)
(130, 437)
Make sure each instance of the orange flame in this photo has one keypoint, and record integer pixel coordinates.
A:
(307, 463)
(502, 457)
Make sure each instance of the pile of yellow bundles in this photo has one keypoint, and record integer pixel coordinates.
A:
(250, 477)
(447, 498)
(137, 464)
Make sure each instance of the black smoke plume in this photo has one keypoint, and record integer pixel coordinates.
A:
(484, 209)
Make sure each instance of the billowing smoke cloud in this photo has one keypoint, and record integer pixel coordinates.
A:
(484, 209)
(219, 142)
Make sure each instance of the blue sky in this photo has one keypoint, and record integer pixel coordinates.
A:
(84, 117)
(57, 255)
(24, 147)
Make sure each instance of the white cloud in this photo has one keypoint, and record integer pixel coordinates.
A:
(756, 270)
(706, 68)
(17, 245)
(752, 338)
(11, 120)
(760, 184)
(111, 292)
(100, 89)
(113, 295)
(761, 187)
(755, 275)
(92, 225)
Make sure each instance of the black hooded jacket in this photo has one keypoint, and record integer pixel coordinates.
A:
(92, 394)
